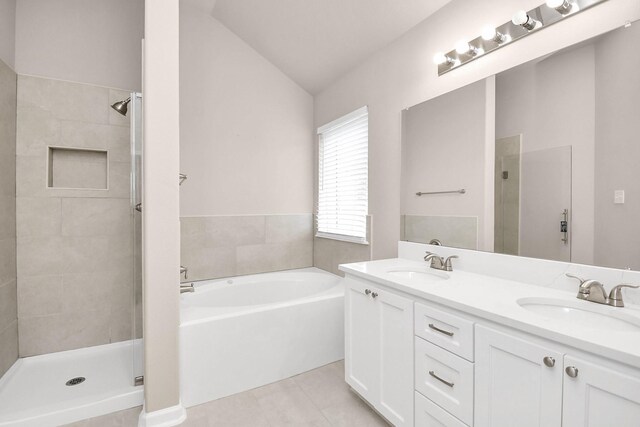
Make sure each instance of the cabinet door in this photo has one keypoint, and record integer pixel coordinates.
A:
(361, 340)
(395, 320)
(513, 384)
(600, 397)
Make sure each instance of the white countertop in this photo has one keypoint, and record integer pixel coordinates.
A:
(496, 299)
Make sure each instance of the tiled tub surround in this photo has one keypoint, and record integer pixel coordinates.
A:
(225, 246)
(455, 231)
(74, 246)
(8, 297)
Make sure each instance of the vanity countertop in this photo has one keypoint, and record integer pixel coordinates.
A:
(495, 299)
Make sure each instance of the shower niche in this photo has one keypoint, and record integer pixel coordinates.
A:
(78, 168)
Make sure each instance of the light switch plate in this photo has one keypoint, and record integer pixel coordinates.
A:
(618, 197)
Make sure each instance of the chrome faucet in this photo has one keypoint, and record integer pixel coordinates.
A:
(593, 291)
(187, 288)
(438, 262)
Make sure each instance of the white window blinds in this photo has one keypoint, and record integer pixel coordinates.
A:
(343, 178)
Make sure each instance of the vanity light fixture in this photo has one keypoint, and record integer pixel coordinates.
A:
(522, 24)
(562, 6)
(489, 33)
(523, 19)
(442, 59)
(464, 47)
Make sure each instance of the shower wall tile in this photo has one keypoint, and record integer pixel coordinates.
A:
(8, 292)
(9, 347)
(40, 296)
(224, 246)
(75, 251)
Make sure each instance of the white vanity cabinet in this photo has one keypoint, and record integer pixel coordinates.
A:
(598, 396)
(513, 382)
(518, 379)
(379, 349)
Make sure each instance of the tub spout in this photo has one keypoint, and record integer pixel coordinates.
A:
(187, 288)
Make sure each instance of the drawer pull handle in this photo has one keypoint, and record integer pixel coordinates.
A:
(374, 294)
(433, 374)
(367, 292)
(549, 361)
(442, 331)
(572, 371)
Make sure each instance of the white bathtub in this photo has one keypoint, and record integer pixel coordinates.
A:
(244, 332)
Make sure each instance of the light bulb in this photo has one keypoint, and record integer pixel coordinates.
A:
(440, 58)
(488, 33)
(524, 20)
(463, 47)
(562, 6)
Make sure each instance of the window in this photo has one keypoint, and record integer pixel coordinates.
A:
(343, 178)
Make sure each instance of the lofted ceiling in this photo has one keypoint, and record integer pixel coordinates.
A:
(316, 41)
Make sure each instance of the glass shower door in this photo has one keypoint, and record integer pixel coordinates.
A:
(136, 210)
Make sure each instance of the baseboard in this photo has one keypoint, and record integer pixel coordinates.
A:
(166, 417)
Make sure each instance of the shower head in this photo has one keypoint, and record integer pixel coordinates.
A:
(121, 106)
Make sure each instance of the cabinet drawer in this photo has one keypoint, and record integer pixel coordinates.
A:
(428, 414)
(446, 330)
(445, 379)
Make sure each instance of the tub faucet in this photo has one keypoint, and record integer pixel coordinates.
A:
(187, 288)
(438, 262)
(183, 270)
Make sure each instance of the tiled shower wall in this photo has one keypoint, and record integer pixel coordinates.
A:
(8, 297)
(74, 246)
(225, 246)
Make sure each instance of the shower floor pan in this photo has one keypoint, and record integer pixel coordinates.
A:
(34, 392)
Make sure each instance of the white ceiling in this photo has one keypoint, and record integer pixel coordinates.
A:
(316, 41)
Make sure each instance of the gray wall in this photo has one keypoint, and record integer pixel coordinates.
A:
(617, 149)
(74, 246)
(89, 41)
(8, 295)
(8, 32)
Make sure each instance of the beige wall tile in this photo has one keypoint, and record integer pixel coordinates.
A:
(301, 254)
(328, 254)
(96, 217)
(262, 258)
(7, 217)
(40, 256)
(7, 260)
(65, 100)
(234, 230)
(208, 263)
(59, 332)
(40, 296)
(38, 216)
(288, 228)
(9, 347)
(8, 304)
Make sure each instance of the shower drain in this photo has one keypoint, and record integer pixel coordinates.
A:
(75, 381)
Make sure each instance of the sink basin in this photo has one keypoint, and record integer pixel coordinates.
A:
(421, 275)
(583, 313)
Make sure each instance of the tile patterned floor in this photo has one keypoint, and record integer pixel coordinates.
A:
(318, 398)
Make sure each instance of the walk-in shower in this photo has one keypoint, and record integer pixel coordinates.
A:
(71, 288)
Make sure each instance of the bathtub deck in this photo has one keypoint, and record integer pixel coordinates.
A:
(316, 398)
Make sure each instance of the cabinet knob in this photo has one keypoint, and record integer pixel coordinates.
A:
(549, 361)
(367, 292)
(572, 371)
(374, 294)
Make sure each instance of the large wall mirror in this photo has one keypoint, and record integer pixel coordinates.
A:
(542, 160)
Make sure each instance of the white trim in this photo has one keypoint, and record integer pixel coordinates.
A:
(172, 416)
(342, 238)
(344, 119)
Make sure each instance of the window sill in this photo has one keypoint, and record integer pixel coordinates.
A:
(346, 239)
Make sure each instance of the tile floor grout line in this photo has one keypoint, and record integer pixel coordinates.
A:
(311, 399)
